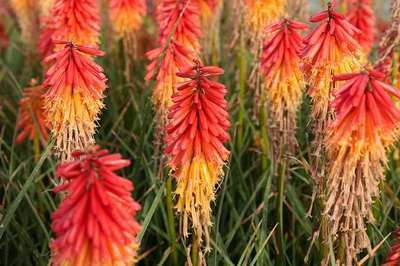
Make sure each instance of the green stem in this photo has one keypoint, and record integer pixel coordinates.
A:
(242, 62)
(265, 145)
(281, 189)
(36, 147)
(171, 221)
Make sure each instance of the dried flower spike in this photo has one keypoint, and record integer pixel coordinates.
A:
(283, 80)
(76, 21)
(366, 125)
(95, 222)
(31, 122)
(74, 98)
(28, 20)
(196, 132)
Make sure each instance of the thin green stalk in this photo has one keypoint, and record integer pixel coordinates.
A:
(242, 63)
(171, 221)
(281, 189)
(36, 147)
(265, 145)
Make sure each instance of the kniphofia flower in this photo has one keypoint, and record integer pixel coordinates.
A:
(330, 49)
(260, 13)
(95, 222)
(127, 16)
(393, 258)
(280, 64)
(74, 98)
(180, 47)
(3, 35)
(27, 14)
(31, 122)
(366, 125)
(77, 21)
(362, 16)
(195, 137)
(45, 7)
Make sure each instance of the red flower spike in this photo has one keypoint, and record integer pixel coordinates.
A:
(77, 21)
(127, 15)
(330, 49)
(196, 133)
(46, 45)
(31, 122)
(362, 16)
(179, 52)
(74, 98)
(365, 126)
(95, 222)
(393, 258)
(280, 64)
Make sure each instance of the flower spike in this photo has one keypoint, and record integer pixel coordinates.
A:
(178, 47)
(74, 98)
(31, 122)
(77, 21)
(365, 127)
(280, 64)
(196, 133)
(95, 222)
(127, 16)
(330, 49)
(362, 16)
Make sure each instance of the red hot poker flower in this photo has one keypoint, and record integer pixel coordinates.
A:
(179, 52)
(366, 125)
(196, 132)
(31, 120)
(280, 64)
(95, 222)
(77, 21)
(74, 98)
(362, 16)
(393, 258)
(127, 15)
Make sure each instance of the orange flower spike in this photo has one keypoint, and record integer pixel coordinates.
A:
(330, 48)
(31, 122)
(188, 27)
(95, 222)
(74, 98)
(127, 15)
(283, 80)
(362, 16)
(179, 52)
(260, 13)
(27, 15)
(196, 133)
(366, 125)
(77, 21)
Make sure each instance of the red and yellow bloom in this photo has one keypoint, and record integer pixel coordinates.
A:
(76, 21)
(178, 47)
(31, 122)
(366, 125)
(195, 137)
(95, 222)
(283, 80)
(127, 15)
(74, 98)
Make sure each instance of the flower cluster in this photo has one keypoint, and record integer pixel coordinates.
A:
(74, 98)
(76, 21)
(179, 23)
(366, 125)
(362, 16)
(280, 64)
(330, 49)
(95, 222)
(260, 13)
(31, 122)
(196, 132)
(127, 16)
(28, 20)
